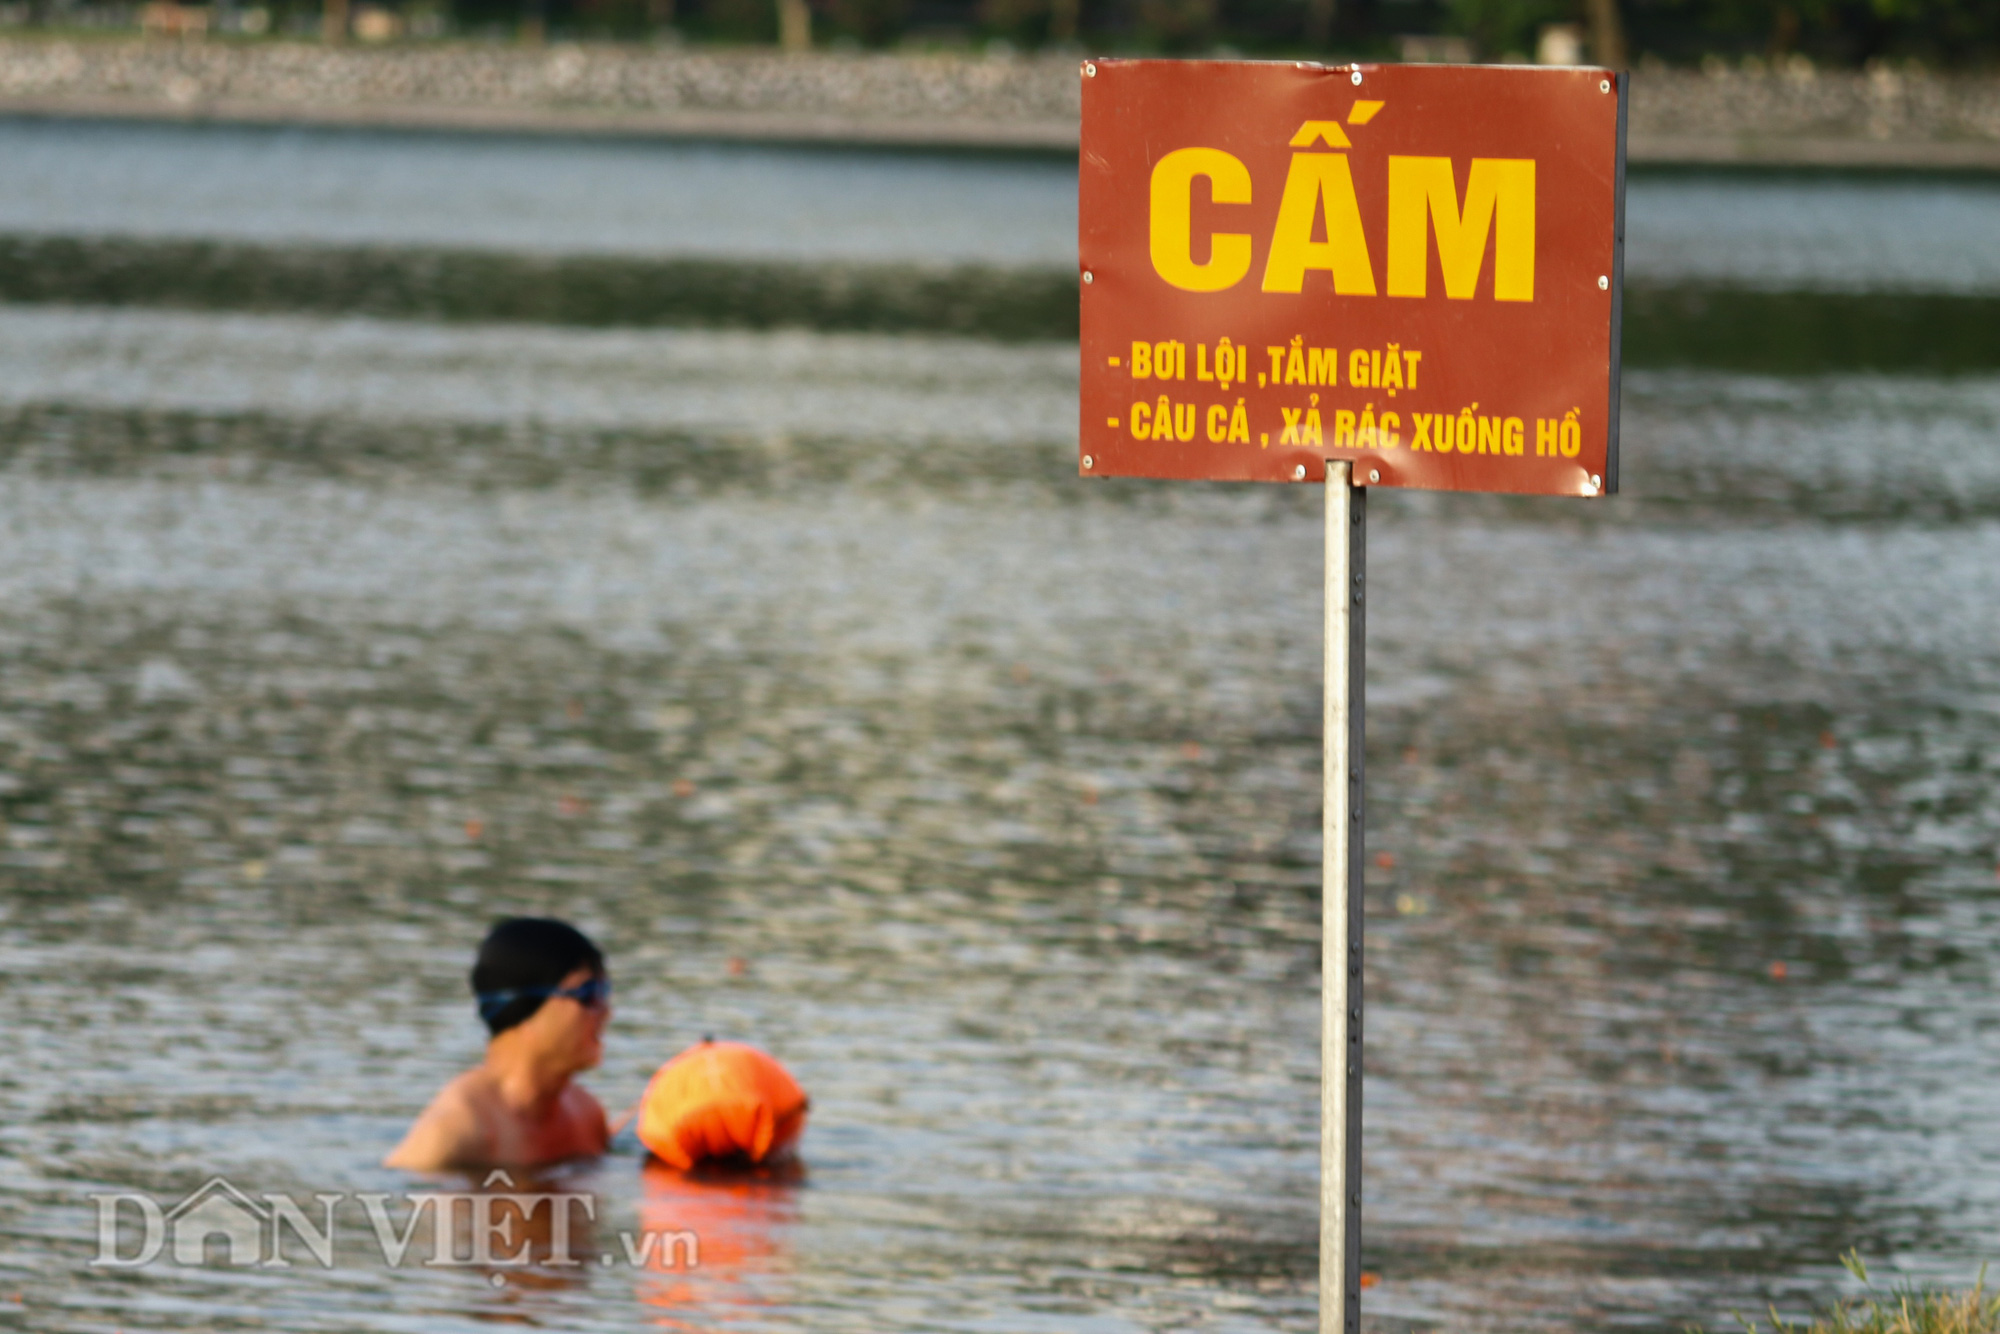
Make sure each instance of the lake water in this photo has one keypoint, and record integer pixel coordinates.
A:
(802, 672)
(580, 196)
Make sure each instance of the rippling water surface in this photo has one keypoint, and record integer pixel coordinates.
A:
(802, 671)
(522, 195)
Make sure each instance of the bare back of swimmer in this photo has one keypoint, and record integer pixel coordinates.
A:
(545, 997)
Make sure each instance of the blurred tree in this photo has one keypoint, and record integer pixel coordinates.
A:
(1607, 34)
(614, 18)
(870, 22)
(794, 25)
(1831, 32)
(1504, 27)
(1030, 22)
(732, 20)
(1840, 32)
(1319, 22)
(1023, 22)
(1178, 25)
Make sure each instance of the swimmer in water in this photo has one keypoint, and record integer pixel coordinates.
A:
(545, 997)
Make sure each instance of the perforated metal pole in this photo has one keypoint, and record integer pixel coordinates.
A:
(1340, 986)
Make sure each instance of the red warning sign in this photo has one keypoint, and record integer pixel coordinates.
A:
(1416, 267)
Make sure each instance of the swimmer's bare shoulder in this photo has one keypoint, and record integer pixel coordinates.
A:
(591, 1128)
(454, 1131)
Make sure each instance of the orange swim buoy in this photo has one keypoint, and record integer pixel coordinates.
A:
(721, 1100)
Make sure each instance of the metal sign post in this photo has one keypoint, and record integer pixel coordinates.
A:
(1378, 275)
(1340, 903)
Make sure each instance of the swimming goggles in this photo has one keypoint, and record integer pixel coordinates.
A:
(590, 993)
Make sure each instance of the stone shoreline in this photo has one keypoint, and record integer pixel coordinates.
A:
(1792, 117)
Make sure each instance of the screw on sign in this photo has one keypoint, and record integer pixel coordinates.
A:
(1371, 276)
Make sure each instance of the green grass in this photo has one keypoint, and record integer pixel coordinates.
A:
(1906, 1310)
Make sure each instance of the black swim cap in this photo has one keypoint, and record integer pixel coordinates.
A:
(528, 952)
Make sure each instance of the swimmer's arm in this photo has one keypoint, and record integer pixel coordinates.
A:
(594, 1118)
(448, 1134)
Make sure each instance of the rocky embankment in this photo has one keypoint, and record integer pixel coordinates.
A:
(1797, 115)
(747, 93)
(1792, 114)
